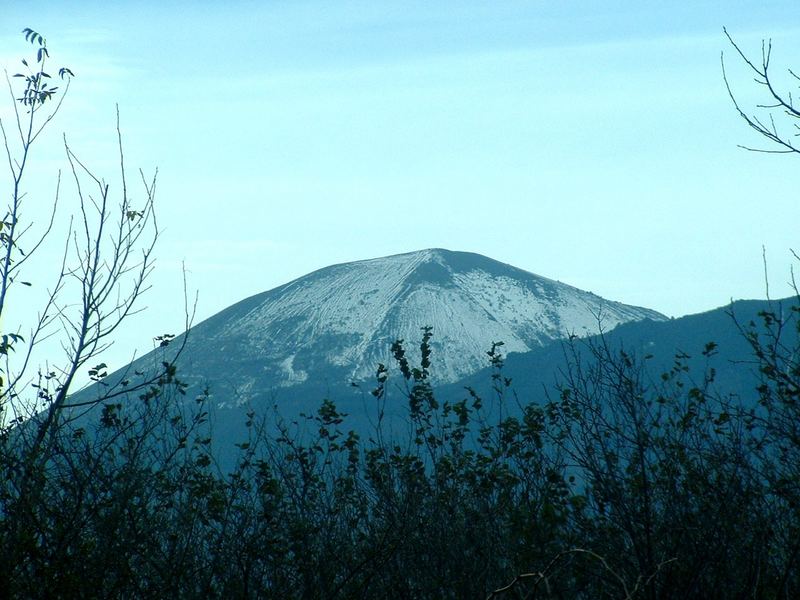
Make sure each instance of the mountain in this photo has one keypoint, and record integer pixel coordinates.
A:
(333, 326)
(293, 346)
(535, 374)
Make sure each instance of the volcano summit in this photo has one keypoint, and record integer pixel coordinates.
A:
(334, 326)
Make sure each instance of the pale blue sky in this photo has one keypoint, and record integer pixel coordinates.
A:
(589, 142)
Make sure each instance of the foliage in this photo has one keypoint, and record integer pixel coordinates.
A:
(624, 485)
(48, 459)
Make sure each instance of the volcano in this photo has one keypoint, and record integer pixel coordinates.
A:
(335, 325)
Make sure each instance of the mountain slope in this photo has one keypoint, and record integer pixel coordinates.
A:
(535, 374)
(335, 325)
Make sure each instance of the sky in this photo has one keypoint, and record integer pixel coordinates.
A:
(589, 142)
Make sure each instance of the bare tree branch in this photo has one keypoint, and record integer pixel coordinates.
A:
(782, 103)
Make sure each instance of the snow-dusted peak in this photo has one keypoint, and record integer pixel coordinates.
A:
(336, 324)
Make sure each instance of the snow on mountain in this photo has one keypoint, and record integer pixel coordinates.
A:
(336, 324)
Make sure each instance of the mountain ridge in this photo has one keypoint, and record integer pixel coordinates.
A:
(347, 315)
(334, 325)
